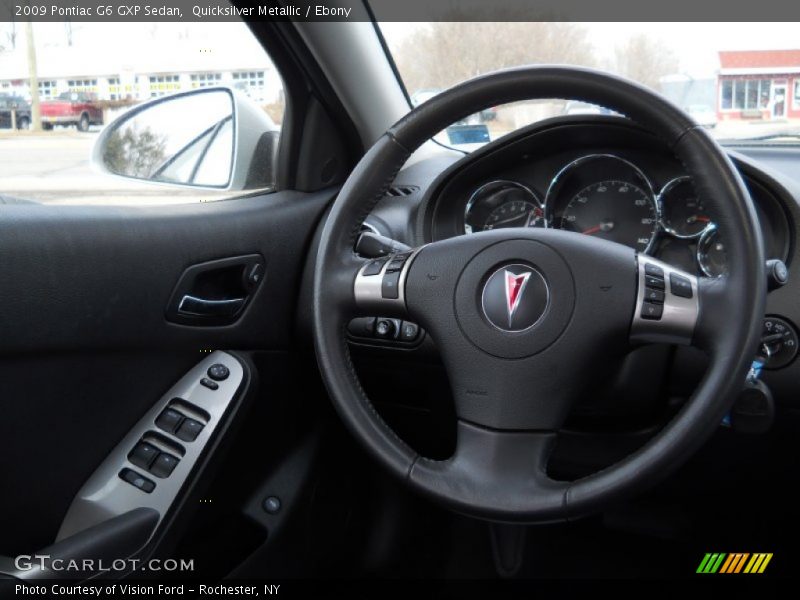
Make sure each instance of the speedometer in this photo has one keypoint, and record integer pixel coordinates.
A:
(614, 210)
(604, 196)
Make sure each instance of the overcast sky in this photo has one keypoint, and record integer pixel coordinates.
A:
(695, 44)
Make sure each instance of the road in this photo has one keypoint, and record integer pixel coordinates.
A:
(54, 167)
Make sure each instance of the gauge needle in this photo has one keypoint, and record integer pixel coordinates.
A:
(695, 218)
(533, 216)
(604, 226)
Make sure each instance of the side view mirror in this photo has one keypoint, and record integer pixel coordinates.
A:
(212, 137)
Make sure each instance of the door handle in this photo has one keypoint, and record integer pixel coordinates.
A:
(216, 292)
(203, 307)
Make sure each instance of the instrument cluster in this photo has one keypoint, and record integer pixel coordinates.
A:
(610, 197)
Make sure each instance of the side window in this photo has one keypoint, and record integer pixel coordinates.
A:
(138, 113)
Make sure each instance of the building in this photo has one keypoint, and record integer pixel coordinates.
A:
(147, 71)
(759, 84)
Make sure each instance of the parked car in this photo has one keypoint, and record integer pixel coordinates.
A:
(704, 115)
(72, 108)
(9, 103)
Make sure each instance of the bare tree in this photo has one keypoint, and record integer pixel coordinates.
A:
(441, 54)
(645, 59)
(10, 35)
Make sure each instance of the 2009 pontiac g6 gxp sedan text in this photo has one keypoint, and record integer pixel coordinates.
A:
(371, 298)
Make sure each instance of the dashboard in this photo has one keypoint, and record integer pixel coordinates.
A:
(631, 191)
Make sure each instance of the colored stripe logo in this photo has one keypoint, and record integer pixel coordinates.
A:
(736, 562)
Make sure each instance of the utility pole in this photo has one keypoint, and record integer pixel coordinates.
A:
(36, 115)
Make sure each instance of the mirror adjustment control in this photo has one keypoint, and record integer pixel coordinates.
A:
(143, 455)
(218, 372)
(164, 465)
(137, 481)
(189, 430)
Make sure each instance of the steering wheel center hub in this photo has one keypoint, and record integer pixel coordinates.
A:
(514, 298)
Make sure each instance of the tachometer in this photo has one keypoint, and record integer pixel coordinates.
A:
(502, 204)
(682, 212)
(615, 210)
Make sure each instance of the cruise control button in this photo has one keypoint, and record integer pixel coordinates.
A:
(656, 271)
(654, 282)
(390, 286)
(218, 372)
(143, 454)
(385, 329)
(409, 331)
(680, 285)
(164, 465)
(652, 311)
(652, 295)
(374, 267)
(137, 481)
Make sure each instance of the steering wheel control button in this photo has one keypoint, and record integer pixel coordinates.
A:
(386, 328)
(515, 297)
(408, 331)
(189, 430)
(390, 286)
(169, 420)
(680, 286)
(137, 481)
(654, 270)
(656, 296)
(655, 282)
(164, 465)
(218, 372)
(374, 267)
(652, 311)
(212, 385)
(143, 455)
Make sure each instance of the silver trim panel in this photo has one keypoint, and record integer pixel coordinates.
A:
(368, 288)
(106, 495)
(677, 322)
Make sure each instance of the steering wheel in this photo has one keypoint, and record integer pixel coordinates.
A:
(524, 318)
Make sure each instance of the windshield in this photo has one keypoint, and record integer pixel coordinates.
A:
(739, 80)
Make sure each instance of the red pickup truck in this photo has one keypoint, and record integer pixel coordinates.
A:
(71, 108)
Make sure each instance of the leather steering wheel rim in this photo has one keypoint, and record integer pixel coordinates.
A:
(499, 471)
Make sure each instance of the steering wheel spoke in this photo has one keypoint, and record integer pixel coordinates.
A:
(380, 284)
(667, 303)
(497, 474)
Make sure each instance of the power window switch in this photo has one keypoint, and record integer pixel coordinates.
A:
(164, 465)
(143, 455)
(169, 420)
(137, 481)
(189, 430)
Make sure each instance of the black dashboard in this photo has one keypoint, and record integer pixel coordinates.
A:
(603, 176)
